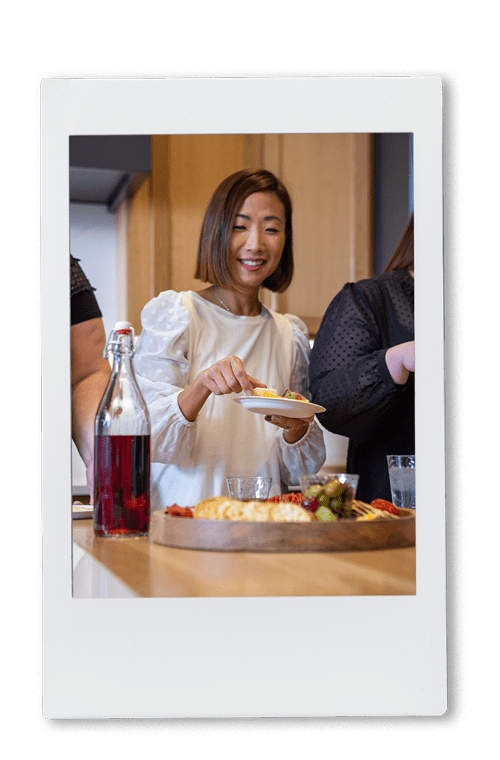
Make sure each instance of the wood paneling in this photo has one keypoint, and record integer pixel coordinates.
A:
(138, 254)
(361, 194)
(198, 164)
(161, 270)
(327, 177)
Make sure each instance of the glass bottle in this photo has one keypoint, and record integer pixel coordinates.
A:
(122, 446)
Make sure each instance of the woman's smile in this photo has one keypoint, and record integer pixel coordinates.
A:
(251, 265)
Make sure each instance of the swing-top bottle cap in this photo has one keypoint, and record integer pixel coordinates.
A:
(121, 339)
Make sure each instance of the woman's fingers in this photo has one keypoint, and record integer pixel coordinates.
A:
(239, 380)
(229, 376)
(289, 423)
(293, 428)
(216, 382)
(256, 383)
(245, 382)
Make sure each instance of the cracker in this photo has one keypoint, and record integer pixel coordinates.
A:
(223, 508)
(212, 508)
(288, 512)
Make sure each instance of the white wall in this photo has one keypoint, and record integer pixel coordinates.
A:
(336, 451)
(93, 240)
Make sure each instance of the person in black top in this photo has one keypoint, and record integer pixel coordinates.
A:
(84, 304)
(90, 371)
(362, 370)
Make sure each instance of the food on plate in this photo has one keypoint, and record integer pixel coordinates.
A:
(388, 506)
(295, 498)
(212, 508)
(294, 396)
(266, 392)
(180, 511)
(329, 501)
(365, 511)
(79, 507)
(325, 514)
(223, 508)
(273, 393)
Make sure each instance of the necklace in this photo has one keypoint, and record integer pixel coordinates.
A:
(222, 302)
(224, 305)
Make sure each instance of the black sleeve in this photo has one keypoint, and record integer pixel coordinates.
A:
(348, 373)
(84, 304)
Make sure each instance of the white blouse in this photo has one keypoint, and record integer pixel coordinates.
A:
(183, 334)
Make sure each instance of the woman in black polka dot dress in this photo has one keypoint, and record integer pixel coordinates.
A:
(362, 369)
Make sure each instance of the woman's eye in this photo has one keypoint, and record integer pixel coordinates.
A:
(271, 229)
(238, 227)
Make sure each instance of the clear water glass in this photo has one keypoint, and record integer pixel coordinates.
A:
(402, 479)
(249, 489)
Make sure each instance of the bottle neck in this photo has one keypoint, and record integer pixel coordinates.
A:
(123, 410)
(123, 367)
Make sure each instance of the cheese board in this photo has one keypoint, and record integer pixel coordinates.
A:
(343, 535)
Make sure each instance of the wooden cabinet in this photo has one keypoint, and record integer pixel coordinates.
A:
(329, 177)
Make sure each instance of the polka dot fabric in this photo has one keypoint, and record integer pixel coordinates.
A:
(348, 374)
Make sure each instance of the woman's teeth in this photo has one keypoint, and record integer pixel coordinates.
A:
(251, 264)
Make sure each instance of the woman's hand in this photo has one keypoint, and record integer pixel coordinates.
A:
(294, 428)
(400, 361)
(228, 376)
(225, 376)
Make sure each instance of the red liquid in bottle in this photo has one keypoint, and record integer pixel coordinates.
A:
(121, 485)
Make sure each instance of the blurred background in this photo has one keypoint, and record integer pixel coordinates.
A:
(137, 202)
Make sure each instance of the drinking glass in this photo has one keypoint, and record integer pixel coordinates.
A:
(249, 489)
(402, 479)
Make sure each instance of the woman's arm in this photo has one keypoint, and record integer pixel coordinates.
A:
(90, 373)
(352, 374)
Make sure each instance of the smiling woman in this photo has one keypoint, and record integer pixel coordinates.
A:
(257, 240)
(237, 213)
(197, 349)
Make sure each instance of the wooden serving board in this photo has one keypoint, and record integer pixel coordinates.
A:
(228, 536)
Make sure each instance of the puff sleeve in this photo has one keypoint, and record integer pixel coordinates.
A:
(162, 367)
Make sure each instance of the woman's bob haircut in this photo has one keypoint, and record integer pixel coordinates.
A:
(215, 238)
(403, 256)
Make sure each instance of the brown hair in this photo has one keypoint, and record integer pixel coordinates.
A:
(215, 237)
(402, 258)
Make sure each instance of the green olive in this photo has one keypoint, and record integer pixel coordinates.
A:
(324, 514)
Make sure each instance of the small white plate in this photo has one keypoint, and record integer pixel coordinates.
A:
(82, 511)
(285, 407)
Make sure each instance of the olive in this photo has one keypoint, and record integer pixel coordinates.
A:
(324, 514)
(314, 491)
(334, 488)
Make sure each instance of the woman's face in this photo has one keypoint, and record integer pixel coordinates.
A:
(257, 239)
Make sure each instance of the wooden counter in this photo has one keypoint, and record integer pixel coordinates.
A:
(150, 570)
